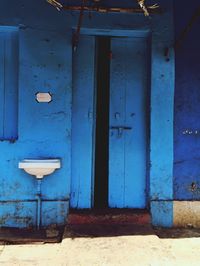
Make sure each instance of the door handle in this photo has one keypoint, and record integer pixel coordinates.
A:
(120, 129)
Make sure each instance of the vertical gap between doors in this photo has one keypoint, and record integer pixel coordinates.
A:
(102, 123)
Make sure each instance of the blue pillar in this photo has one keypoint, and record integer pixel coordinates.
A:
(162, 118)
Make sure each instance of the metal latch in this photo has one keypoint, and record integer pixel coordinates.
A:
(120, 129)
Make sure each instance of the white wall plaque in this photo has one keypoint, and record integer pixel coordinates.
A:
(43, 97)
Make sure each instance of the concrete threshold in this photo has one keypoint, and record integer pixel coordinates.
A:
(109, 217)
(107, 222)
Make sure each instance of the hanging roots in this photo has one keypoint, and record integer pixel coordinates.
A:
(55, 3)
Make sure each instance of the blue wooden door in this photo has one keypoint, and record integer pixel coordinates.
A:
(128, 123)
(82, 123)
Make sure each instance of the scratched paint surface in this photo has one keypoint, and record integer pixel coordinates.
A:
(44, 130)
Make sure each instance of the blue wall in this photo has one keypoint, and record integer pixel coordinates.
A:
(187, 107)
(44, 130)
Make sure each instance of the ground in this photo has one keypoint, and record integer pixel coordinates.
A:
(126, 247)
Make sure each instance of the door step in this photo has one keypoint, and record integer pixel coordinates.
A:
(109, 222)
(109, 217)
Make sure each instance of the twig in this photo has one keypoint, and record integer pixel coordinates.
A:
(55, 3)
(187, 29)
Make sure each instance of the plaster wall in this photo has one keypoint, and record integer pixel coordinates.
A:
(187, 108)
(44, 130)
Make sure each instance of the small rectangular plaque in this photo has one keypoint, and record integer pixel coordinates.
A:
(43, 97)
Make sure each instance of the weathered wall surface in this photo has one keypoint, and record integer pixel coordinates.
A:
(187, 108)
(44, 130)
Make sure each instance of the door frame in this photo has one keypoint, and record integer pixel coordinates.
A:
(126, 34)
(161, 33)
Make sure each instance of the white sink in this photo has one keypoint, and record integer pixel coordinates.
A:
(40, 168)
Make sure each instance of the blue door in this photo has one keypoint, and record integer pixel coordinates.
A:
(82, 124)
(128, 123)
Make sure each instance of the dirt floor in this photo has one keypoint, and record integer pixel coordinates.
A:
(106, 246)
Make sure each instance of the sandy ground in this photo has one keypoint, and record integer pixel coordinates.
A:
(148, 249)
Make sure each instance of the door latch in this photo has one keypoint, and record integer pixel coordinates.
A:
(120, 129)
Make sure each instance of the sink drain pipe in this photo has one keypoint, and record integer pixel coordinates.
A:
(38, 196)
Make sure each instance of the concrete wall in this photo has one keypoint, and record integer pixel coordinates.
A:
(187, 108)
(186, 123)
(44, 130)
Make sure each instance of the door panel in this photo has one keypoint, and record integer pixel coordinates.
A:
(127, 141)
(82, 123)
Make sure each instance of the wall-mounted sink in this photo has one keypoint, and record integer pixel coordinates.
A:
(40, 168)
